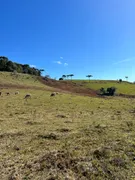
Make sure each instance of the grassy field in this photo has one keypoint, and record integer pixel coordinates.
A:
(19, 79)
(7, 78)
(66, 137)
(124, 87)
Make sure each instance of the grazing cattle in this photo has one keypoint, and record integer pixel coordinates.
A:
(53, 94)
(7, 93)
(17, 92)
(27, 96)
(0, 93)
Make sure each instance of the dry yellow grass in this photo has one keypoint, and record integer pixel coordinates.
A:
(66, 136)
(19, 79)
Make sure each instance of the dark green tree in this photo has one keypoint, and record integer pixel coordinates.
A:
(89, 76)
(64, 76)
(71, 75)
(126, 78)
(41, 72)
(19, 68)
(68, 76)
(10, 67)
(3, 63)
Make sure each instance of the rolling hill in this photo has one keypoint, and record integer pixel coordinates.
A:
(75, 86)
(122, 88)
(67, 136)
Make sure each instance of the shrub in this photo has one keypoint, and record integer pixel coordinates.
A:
(102, 91)
(109, 91)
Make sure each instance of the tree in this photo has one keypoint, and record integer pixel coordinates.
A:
(71, 75)
(64, 76)
(41, 71)
(3, 63)
(89, 76)
(126, 78)
(10, 66)
(25, 68)
(120, 80)
(68, 75)
(3, 58)
(19, 68)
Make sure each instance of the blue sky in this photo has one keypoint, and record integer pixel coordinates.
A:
(71, 36)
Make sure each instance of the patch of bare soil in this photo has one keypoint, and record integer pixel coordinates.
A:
(60, 165)
(68, 86)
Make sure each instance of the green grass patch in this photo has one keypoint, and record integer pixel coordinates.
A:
(124, 87)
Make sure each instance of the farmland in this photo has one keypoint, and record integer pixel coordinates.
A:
(65, 137)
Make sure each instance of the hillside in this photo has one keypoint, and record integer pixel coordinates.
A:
(67, 136)
(8, 79)
(122, 88)
(82, 87)
(91, 88)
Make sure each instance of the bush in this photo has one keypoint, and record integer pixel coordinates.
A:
(111, 91)
(108, 92)
(102, 91)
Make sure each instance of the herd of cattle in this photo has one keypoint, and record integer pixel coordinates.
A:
(27, 96)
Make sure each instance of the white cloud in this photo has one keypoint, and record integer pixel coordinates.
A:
(125, 60)
(65, 64)
(58, 62)
(33, 66)
(61, 57)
